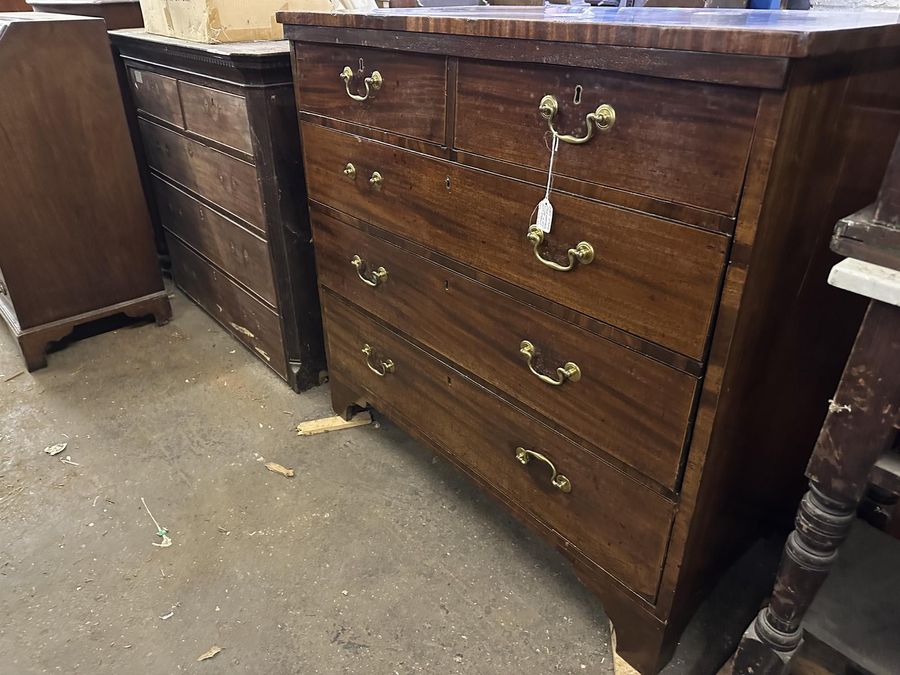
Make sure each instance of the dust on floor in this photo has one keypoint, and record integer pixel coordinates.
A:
(377, 557)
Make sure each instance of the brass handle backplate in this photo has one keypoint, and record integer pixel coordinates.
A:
(556, 479)
(376, 277)
(350, 171)
(383, 367)
(377, 180)
(570, 372)
(373, 83)
(583, 252)
(602, 119)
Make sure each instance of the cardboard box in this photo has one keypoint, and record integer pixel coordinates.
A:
(215, 21)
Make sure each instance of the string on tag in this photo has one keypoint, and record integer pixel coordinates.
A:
(544, 208)
(554, 147)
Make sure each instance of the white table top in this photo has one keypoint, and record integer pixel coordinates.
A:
(863, 278)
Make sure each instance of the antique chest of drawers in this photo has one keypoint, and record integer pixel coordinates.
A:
(641, 379)
(76, 244)
(217, 126)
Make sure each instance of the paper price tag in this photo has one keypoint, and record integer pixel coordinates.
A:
(544, 215)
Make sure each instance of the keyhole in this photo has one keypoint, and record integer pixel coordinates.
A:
(577, 99)
(447, 183)
(446, 285)
(361, 66)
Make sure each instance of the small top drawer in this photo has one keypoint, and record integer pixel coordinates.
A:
(156, 95)
(677, 141)
(394, 91)
(217, 115)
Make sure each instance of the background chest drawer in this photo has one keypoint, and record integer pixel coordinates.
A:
(406, 98)
(216, 115)
(651, 277)
(678, 141)
(632, 407)
(239, 252)
(156, 95)
(483, 433)
(245, 317)
(225, 180)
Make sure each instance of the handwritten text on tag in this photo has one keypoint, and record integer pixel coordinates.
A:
(544, 215)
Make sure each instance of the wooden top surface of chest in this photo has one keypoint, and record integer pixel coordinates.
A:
(725, 31)
(664, 345)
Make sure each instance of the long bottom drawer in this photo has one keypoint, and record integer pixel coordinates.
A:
(242, 315)
(617, 523)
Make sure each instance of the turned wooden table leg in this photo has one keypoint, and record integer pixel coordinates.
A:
(857, 430)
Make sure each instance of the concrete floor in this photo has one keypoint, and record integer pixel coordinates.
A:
(376, 558)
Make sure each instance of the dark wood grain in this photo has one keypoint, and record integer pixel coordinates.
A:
(860, 424)
(858, 429)
(239, 103)
(732, 32)
(693, 66)
(236, 250)
(410, 102)
(76, 237)
(246, 318)
(873, 234)
(651, 277)
(803, 153)
(156, 95)
(276, 138)
(216, 115)
(695, 135)
(571, 316)
(617, 403)
(803, 176)
(425, 391)
(124, 14)
(224, 180)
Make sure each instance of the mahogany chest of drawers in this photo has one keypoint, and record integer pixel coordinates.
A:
(218, 129)
(642, 382)
(76, 242)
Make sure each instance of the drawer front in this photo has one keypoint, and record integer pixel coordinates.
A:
(246, 318)
(157, 95)
(632, 407)
(216, 115)
(409, 102)
(614, 521)
(220, 178)
(678, 141)
(239, 252)
(650, 277)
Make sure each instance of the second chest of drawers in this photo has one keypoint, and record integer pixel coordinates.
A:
(217, 128)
